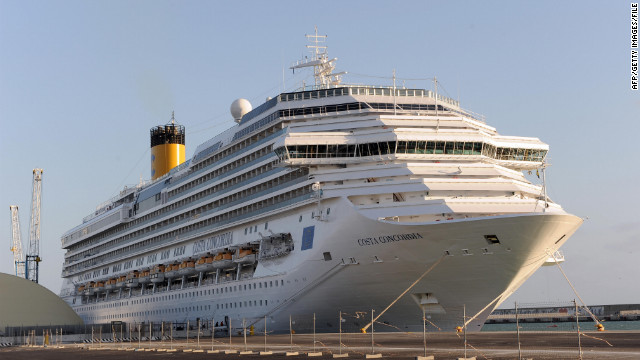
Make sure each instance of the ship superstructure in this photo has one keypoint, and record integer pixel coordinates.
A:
(334, 197)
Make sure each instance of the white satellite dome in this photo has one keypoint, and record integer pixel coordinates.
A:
(239, 108)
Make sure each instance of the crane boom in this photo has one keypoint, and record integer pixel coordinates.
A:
(33, 257)
(16, 242)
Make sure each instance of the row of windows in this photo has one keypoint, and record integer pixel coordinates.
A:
(323, 109)
(358, 106)
(245, 177)
(221, 171)
(186, 295)
(186, 309)
(354, 90)
(255, 126)
(380, 91)
(237, 147)
(315, 94)
(211, 222)
(410, 147)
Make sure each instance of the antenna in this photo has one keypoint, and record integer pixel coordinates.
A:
(435, 83)
(317, 39)
(322, 66)
(394, 93)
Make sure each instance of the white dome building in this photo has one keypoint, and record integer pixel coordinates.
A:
(25, 303)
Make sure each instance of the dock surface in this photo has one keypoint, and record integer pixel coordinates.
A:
(485, 345)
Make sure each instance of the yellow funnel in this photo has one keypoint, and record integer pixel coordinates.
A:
(167, 148)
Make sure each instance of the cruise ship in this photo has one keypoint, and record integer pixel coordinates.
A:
(333, 198)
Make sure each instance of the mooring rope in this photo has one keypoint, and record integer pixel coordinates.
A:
(364, 329)
(574, 289)
(485, 308)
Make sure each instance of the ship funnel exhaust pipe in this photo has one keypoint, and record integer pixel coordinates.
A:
(167, 147)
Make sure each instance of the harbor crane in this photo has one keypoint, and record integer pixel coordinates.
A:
(33, 256)
(16, 242)
(29, 267)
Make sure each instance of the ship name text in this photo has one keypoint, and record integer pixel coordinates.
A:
(388, 238)
(216, 241)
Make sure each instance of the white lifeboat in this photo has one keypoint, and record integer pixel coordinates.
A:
(122, 280)
(187, 267)
(205, 263)
(171, 271)
(223, 260)
(110, 284)
(144, 277)
(245, 256)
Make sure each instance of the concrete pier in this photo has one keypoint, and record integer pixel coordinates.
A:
(402, 346)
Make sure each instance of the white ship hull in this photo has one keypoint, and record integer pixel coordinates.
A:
(369, 270)
(349, 198)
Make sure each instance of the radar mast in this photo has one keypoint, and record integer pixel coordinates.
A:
(322, 66)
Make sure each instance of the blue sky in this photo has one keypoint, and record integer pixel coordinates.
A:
(81, 84)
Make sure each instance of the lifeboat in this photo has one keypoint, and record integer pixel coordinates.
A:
(205, 263)
(99, 286)
(89, 288)
(171, 271)
(187, 267)
(110, 284)
(132, 278)
(245, 256)
(157, 273)
(122, 280)
(80, 289)
(223, 260)
(144, 276)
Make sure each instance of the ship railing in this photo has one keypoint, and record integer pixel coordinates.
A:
(228, 174)
(108, 205)
(183, 236)
(320, 91)
(244, 150)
